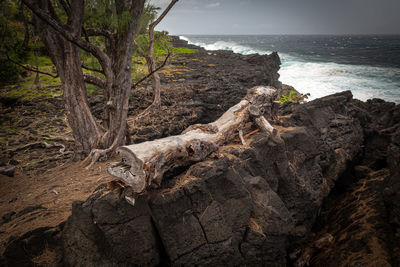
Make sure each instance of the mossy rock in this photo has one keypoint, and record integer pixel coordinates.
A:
(289, 94)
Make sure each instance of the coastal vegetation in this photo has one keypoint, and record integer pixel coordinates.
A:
(91, 45)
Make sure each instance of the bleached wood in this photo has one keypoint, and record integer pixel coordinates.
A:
(241, 137)
(265, 125)
(144, 164)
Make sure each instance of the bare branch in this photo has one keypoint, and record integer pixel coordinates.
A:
(66, 7)
(30, 69)
(159, 19)
(99, 32)
(152, 72)
(94, 80)
(92, 69)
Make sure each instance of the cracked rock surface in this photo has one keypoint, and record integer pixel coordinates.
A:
(250, 206)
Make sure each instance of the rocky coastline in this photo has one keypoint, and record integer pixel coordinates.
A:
(324, 191)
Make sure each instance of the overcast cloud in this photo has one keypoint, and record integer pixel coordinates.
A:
(282, 17)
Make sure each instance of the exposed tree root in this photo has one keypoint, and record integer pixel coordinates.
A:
(96, 153)
(42, 144)
(154, 107)
(58, 138)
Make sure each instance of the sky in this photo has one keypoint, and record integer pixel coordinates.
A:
(281, 17)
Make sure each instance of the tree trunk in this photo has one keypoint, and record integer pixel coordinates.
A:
(64, 44)
(86, 131)
(145, 163)
(117, 104)
(151, 64)
(67, 59)
(150, 58)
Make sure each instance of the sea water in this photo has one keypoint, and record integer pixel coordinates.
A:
(368, 65)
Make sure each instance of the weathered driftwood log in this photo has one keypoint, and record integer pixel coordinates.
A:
(145, 163)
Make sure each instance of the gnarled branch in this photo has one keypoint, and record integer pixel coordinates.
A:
(94, 80)
(31, 69)
(99, 32)
(92, 69)
(151, 73)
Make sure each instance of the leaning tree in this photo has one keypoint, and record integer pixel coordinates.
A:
(64, 35)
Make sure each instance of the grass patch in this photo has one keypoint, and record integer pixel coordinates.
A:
(43, 62)
(24, 89)
(181, 50)
(90, 89)
(290, 95)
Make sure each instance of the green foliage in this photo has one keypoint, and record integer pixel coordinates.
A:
(90, 89)
(24, 89)
(148, 16)
(104, 14)
(161, 46)
(12, 32)
(44, 63)
(291, 97)
(8, 71)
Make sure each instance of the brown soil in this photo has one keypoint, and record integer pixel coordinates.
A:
(50, 195)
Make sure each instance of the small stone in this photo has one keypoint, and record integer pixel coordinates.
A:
(8, 171)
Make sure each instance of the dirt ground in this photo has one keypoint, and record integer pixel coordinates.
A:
(30, 202)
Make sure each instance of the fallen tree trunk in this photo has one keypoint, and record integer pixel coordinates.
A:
(145, 163)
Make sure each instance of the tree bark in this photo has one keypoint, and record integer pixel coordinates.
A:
(67, 59)
(64, 43)
(144, 164)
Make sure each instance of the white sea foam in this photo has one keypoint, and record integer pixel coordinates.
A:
(321, 79)
(184, 38)
(324, 78)
(224, 45)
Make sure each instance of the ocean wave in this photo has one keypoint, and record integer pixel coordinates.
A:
(323, 78)
(226, 45)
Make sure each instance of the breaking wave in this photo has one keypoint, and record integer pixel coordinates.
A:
(317, 77)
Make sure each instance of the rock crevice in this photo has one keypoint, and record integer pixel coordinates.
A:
(251, 205)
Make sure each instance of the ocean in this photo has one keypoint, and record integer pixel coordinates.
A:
(368, 65)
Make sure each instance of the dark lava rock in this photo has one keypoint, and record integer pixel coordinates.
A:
(107, 231)
(254, 204)
(392, 194)
(247, 208)
(44, 241)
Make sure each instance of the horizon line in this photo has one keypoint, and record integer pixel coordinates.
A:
(294, 34)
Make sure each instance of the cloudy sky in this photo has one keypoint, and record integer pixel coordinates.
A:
(282, 17)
